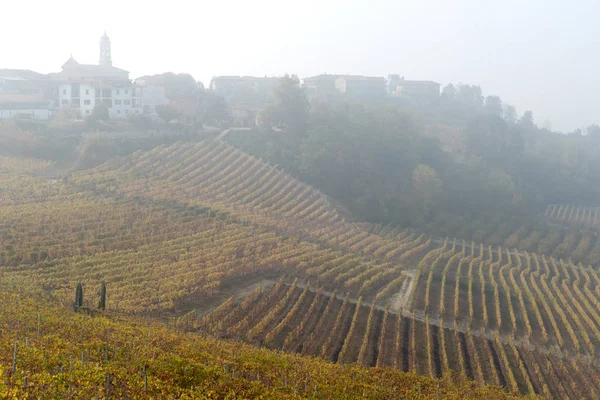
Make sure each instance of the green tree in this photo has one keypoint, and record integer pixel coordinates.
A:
(167, 112)
(214, 109)
(496, 142)
(288, 109)
(78, 297)
(527, 119)
(427, 187)
(449, 91)
(493, 105)
(510, 114)
(593, 132)
(470, 95)
(499, 185)
(102, 301)
(101, 112)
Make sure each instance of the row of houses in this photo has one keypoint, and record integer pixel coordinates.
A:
(81, 87)
(247, 95)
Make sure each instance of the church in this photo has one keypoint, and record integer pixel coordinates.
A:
(82, 86)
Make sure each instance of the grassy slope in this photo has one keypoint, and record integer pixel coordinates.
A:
(53, 341)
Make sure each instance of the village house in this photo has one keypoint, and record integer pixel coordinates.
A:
(356, 87)
(420, 91)
(25, 94)
(82, 86)
(245, 96)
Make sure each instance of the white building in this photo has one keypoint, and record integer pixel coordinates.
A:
(121, 98)
(83, 86)
(152, 95)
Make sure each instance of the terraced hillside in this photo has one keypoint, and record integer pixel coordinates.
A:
(574, 214)
(185, 227)
(47, 351)
(346, 330)
(159, 257)
(216, 174)
(549, 302)
(544, 235)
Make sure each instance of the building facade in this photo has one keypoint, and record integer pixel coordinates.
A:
(321, 84)
(244, 89)
(83, 86)
(245, 96)
(420, 91)
(24, 94)
(361, 87)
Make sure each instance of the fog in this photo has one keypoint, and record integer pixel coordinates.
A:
(539, 55)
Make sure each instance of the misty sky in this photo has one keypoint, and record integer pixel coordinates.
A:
(542, 55)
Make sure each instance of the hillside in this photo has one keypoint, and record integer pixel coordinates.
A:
(176, 231)
(49, 352)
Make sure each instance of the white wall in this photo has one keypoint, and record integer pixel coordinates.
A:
(87, 95)
(122, 100)
(64, 95)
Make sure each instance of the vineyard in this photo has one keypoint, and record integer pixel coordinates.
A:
(193, 228)
(347, 330)
(552, 303)
(220, 176)
(572, 214)
(577, 241)
(155, 258)
(49, 352)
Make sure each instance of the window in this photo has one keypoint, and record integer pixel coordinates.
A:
(87, 111)
(126, 91)
(87, 91)
(118, 91)
(126, 102)
(87, 102)
(64, 91)
(64, 102)
(118, 111)
(117, 102)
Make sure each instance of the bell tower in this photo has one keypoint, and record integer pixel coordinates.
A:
(105, 57)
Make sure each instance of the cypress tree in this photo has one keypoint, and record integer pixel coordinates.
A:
(102, 302)
(78, 297)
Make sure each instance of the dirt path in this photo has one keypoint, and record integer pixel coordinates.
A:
(238, 291)
(401, 299)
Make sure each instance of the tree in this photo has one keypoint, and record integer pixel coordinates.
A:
(471, 95)
(288, 109)
(214, 109)
(593, 132)
(527, 118)
(427, 186)
(496, 142)
(102, 301)
(493, 105)
(101, 112)
(167, 112)
(449, 91)
(510, 114)
(499, 185)
(78, 297)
